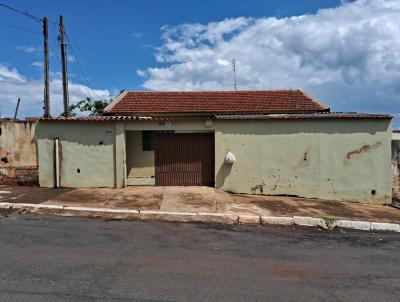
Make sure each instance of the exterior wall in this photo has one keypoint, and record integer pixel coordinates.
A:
(89, 147)
(18, 163)
(139, 163)
(396, 170)
(328, 159)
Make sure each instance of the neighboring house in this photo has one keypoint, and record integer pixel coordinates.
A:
(396, 166)
(18, 164)
(396, 135)
(285, 142)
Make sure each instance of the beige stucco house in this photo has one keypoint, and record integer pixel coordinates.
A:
(282, 142)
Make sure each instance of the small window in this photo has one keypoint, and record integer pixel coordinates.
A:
(149, 139)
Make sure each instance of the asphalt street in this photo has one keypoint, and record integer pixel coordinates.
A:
(49, 258)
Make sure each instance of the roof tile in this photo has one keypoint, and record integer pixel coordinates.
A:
(225, 102)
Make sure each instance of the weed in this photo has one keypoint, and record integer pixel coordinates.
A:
(329, 220)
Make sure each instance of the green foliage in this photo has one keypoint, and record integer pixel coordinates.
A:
(94, 107)
(329, 220)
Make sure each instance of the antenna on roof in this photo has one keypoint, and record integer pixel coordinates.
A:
(234, 74)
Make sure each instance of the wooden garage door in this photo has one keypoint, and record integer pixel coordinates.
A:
(185, 159)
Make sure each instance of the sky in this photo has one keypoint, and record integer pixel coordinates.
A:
(345, 53)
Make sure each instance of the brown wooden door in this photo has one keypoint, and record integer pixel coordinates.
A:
(184, 159)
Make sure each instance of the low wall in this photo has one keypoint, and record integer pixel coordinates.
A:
(18, 155)
(396, 170)
(86, 154)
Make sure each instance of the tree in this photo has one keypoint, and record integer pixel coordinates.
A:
(94, 107)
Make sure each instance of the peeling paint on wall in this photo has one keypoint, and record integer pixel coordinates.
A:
(18, 156)
(305, 159)
(360, 152)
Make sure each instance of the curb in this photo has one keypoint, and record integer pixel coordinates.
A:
(199, 217)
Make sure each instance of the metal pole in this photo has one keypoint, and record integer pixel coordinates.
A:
(16, 109)
(46, 68)
(234, 74)
(64, 68)
(56, 164)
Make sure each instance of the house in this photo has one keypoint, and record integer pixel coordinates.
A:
(396, 135)
(283, 142)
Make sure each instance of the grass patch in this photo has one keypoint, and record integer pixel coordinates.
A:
(329, 220)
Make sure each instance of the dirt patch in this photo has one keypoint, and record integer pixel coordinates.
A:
(294, 206)
(194, 199)
(290, 272)
(189, 199)
(137, 201)
(154, 262)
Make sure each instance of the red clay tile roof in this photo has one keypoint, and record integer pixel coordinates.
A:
(223, 102)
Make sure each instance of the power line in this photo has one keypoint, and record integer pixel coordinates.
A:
(94, 64)
(20, 28)
(26, 13)
(80, 72)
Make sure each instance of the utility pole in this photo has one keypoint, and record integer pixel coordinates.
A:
(46, 68)
(64, 68)
(16, 109)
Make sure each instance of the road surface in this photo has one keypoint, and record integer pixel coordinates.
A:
(46, 258)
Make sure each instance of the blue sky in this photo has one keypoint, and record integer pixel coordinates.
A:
(343, 52)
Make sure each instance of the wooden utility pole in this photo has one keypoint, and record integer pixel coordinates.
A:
(64, 68)
(46, 68)
(16, 109)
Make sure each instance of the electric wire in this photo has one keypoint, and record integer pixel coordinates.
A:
(20, 28)
(118, 85)
(26, 13)
(81, 74)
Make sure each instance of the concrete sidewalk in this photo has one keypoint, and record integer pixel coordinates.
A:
(198, 200)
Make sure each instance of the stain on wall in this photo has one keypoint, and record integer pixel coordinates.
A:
(18, 156)
(360, 152)
(305, 159)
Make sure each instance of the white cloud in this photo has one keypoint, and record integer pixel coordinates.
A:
(13, 85)
(10, 74)
(71, 58)
(141, 73)
(37, 64)
(223, 62)
(27, 49)
(348, 56)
